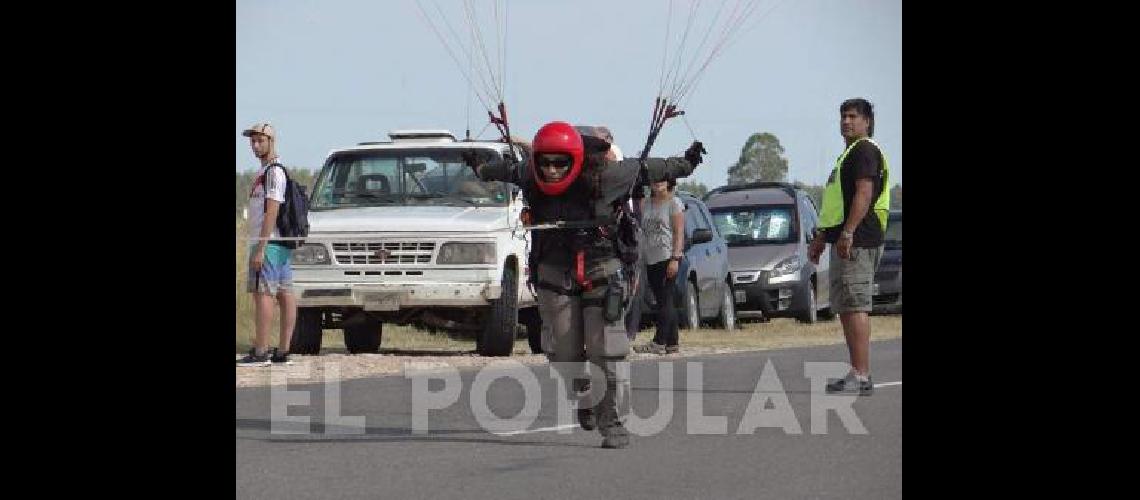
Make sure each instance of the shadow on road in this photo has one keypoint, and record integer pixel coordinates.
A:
(388, 434)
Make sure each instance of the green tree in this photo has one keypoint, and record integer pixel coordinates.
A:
(695, 188)
(761, 159)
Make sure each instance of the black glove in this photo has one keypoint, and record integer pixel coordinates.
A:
(693, 154)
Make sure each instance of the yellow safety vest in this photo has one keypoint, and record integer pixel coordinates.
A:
(832, 214)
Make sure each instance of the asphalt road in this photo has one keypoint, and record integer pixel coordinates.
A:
(458, 458)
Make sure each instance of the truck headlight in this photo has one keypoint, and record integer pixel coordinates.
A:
(466, 253)
(787, 270)
(311, 254)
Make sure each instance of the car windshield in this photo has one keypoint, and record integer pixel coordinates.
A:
(893, 236)
(742, 226)
(426, 176)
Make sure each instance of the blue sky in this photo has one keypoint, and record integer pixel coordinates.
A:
(333, 73)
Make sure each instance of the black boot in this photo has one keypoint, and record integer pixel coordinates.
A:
(616, 437)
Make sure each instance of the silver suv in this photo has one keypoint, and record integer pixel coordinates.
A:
(768, 226)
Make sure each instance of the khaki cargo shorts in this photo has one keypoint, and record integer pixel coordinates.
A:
(852, 279)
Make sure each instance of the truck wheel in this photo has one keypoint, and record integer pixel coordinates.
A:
(499, 335)
(364, 338)
(307, 332)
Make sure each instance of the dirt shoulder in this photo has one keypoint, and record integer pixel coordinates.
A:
(405, 357)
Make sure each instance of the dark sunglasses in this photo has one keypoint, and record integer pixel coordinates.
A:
(556, 162)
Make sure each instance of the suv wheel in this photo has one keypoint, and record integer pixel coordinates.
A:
(728, 309)
(692, 316)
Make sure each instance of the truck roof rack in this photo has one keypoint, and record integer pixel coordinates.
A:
(421, 136)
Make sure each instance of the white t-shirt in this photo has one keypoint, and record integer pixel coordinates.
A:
(276, 182)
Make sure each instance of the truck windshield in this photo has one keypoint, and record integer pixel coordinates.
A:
(422, 176)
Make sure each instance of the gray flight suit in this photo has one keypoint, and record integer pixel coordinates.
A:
(574, 329)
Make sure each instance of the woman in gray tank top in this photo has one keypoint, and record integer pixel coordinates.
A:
(663, 221)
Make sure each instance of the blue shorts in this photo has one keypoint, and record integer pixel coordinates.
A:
(275, 275)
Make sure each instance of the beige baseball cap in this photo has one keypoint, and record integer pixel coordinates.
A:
(260, 128)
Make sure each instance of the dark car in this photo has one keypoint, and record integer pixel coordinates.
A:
(705, 292)
(768, 226)
(888, 278)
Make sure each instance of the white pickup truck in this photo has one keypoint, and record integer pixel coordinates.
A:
(403, 232)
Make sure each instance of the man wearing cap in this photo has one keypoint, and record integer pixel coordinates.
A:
(269, 272)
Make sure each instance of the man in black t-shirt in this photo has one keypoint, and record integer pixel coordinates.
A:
(856, 240)
(864, 163)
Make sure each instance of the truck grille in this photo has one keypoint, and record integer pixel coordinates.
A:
(381, 253)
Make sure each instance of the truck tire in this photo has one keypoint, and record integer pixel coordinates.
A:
(498, 338)
(307, 332)
(364, 338)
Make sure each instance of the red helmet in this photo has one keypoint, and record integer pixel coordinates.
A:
(557, 137)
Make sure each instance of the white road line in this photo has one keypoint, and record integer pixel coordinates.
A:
(884, 384)
(540, 429)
